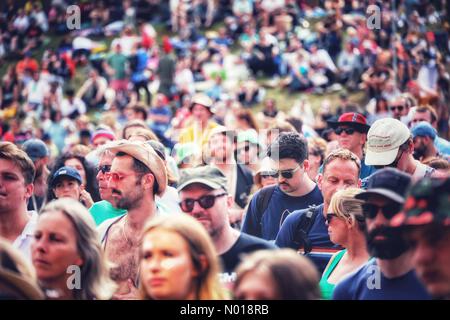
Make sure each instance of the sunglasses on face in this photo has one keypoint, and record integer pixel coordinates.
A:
(371, 210)
(104, 169)
(265, 175)
(331, 216)
(116, 177)
(287, 174)
(339, 130)
(205, 202)
(399, 108)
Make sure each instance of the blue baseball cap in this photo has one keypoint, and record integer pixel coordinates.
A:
(423, 129)
(388, 182)
(36, 149)
(65, 172)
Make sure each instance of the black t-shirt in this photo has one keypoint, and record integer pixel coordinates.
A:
(245, 244)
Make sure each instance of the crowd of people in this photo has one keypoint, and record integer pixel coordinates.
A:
(143, 169)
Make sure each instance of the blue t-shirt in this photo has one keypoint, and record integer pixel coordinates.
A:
(369, 283)
(159, 125)
(279, 207)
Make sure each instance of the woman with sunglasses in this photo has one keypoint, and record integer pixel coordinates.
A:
(178, 261)
(346, 227)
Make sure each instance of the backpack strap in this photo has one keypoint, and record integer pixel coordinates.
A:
(262, 202)
(307, 219)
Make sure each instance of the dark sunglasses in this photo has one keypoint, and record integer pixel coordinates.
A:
(205, 202)
(371, 210)
(339, 130)
(399, 108)
(287, 174)
(330, 217)
(104, 169)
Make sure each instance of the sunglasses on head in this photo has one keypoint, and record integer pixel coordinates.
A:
(339, 130)
(331, 216)
(104, 169)
(371, 210)
(399, 108)
(206, 202)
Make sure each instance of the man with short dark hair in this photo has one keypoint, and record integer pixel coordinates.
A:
(204, 195)
(423, 135)
(294, 191)
(390, 276)
(428, 114)
(425, 224)
(16, 187)
(136, 176)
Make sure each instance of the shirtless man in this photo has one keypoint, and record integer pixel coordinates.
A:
(137, 175)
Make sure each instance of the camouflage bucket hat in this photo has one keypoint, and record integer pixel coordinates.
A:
(428, 201)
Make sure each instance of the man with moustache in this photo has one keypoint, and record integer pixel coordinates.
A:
(136, 176)
(425, 224)
(294, 191)
(106, 208)
(390, 275)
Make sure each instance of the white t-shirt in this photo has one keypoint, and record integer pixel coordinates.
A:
(23, 242)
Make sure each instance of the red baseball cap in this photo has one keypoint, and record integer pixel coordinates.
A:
(351, 119)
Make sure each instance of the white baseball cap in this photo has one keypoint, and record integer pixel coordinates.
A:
(384, 138)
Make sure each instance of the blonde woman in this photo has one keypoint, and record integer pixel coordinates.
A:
(346, 227)
(67, 255)
(178, 261)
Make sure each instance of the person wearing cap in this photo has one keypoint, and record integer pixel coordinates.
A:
(294, 190)
(17, 173)
(390, 275)
(38, 152)
(428, 113)
(265, 176)
(199, 131)
(423, 135)
(102, 136)
(204, 195)
(390, 144)
(248, 148)
(220, 154)
(351, 130)
(66, 183)
(136, 177)
(425, 223)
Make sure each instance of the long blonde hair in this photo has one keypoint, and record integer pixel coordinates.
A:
(207, 284)
(95, 280)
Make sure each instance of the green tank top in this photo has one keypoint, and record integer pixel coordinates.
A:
(325, 287)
